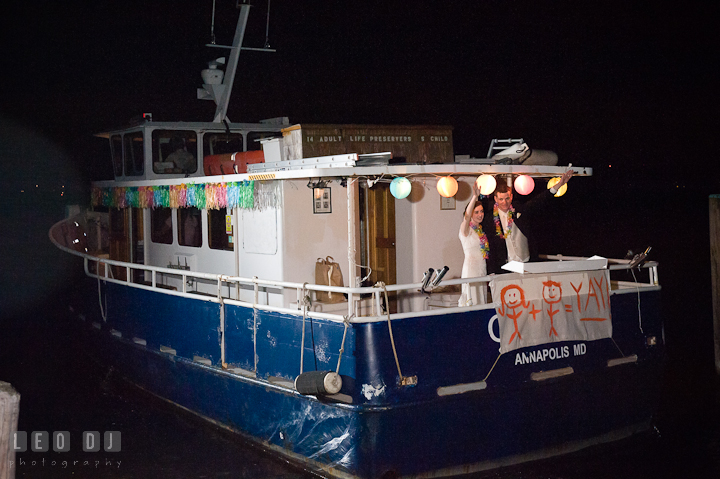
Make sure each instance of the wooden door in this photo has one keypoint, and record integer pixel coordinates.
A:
(380, 220)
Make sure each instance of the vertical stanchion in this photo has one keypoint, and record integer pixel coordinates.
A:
(715, 267)
(10, 410)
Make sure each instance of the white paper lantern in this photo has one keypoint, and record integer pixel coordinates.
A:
(486, 183)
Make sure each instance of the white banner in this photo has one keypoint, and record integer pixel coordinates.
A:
(548, 308)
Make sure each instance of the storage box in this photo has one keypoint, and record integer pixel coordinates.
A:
(412, 144)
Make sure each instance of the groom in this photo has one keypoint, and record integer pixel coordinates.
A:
(507, 237)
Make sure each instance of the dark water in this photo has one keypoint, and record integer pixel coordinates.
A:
(62, 389)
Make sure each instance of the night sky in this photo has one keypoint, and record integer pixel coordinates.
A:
(628, 88)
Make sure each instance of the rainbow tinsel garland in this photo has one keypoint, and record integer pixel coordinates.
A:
(200, 195)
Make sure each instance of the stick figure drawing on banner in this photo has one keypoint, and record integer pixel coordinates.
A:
(552, 294)
(512, 298)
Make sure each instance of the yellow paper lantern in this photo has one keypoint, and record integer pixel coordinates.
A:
(524, 184)
(447, 186)
(486, 183)
(554, 181)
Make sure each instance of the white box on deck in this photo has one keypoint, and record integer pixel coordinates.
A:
(596, 262)
(273, 150)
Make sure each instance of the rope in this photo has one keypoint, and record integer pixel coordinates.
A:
(221, 302)
(305, 300)
(102, 312)
(346, 320)
(255, 312)
(392, 340)
(618, 347)
(493, 367)
(638, 293)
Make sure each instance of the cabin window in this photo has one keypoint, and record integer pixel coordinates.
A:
(220, 229)
(253, 139)
(222, 143)
(134, 156)
(161, 225)
(174, 151)
(189, 227)
(116, 152)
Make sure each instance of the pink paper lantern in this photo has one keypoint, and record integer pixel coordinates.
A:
(524, 184)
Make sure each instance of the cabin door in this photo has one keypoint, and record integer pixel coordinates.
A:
(126, 239)
(119, 240)
(379, 236)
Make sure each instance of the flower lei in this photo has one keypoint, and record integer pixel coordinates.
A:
(496, 219)
(484, 245)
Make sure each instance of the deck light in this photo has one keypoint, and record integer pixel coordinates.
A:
(447, 186)
(400, 187)
(486, 183)
(553, 181)
(524, 184)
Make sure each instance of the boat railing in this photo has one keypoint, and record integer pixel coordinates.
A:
(617, 265)
(228, 288)
(226, 284)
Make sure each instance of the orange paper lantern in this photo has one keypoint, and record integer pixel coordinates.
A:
(447, 186)
(524, 184)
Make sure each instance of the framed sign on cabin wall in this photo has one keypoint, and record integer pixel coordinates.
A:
(447, 203)
(322, 201)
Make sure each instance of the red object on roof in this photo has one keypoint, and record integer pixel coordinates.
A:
(231, 163)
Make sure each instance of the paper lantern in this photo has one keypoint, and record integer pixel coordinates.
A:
(524, 184)
(552, 182)
(447, 186)
(486, 183)
(400, 187)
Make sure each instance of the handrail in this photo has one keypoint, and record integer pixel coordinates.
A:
(257, 282)
(562, 257)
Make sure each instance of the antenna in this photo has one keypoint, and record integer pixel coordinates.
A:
(267, 27)
(212, 26)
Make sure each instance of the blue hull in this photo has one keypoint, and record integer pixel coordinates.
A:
(375, 426)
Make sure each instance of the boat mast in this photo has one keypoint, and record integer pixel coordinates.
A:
(224, 99)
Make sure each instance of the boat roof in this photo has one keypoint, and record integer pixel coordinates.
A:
(269, 125)
(374, 171)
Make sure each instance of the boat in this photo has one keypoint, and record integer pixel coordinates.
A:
(298, 284)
